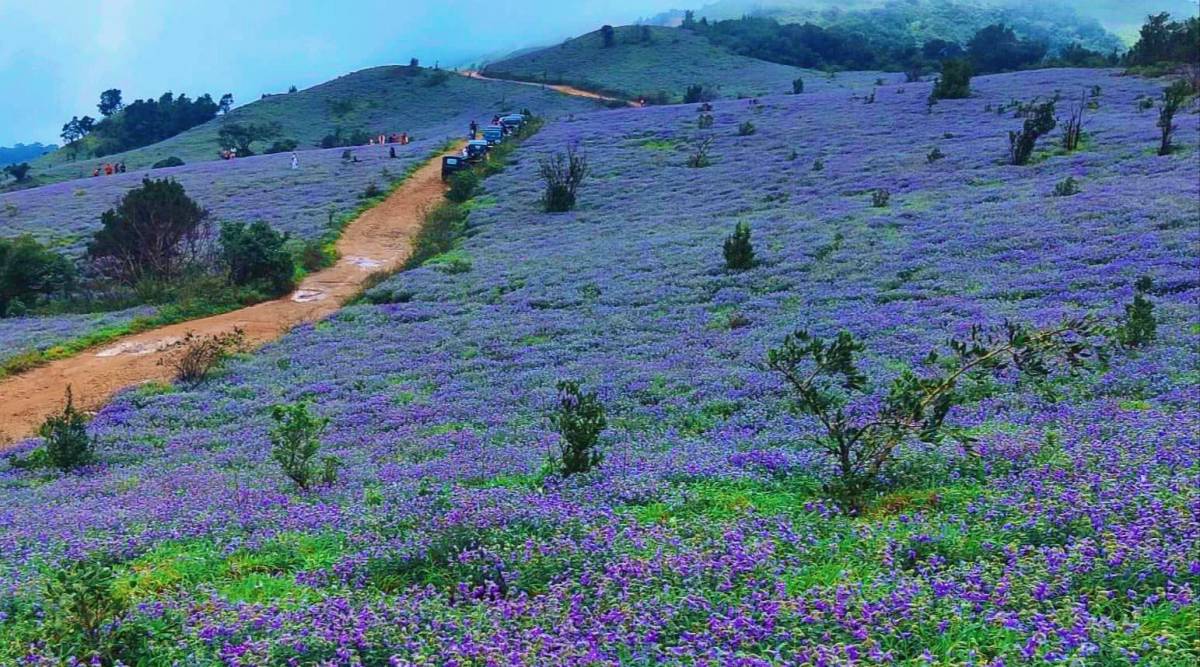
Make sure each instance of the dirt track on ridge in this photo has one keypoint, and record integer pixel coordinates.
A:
(562, 88)
(378, 240)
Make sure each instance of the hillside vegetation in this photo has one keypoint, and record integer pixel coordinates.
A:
(423, 102)
(660, 64)
(434, 528)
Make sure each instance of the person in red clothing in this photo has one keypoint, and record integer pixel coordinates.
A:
(108, 169)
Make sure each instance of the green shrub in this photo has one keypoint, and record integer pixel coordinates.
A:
(955, 81)
(1066, 187)
(282, 146)
(68, 445)
(463, 186)
(295, 442)
(705, 121)
(579, 420)
(1039, 120)
(257, 255)
(746, 129)
(167, 162)
(934, 155)
(797, 86)
(880, 198)
(371, 191)
(82, 601)
(1173, 98)
(699, 158)
(152, 233)
(29, 272)
(444, 224)
(1138, 327)
(739, 252)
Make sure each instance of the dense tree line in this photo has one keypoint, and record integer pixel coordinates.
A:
(1162, 40)
(139, 123)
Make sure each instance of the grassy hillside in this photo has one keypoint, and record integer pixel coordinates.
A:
(669, 62)
(1065, 535)
(422, 102)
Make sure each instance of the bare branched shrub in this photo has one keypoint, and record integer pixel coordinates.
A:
(194, 357)
(699, 157)
(562, 175)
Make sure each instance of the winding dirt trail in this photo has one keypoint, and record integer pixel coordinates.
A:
(378, 240)
(562, 88)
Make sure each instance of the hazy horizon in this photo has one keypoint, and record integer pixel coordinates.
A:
(52, 69)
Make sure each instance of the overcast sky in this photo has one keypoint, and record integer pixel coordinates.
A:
(57, 55)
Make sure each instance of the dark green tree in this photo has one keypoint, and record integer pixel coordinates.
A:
(579, 421)
(152, 231)
(19, 172)
(1173, 98)
(608, 35)
(1039, 120)
(954, 82)
(255, 254)
(739, 252)
(110, 102)
(68, 445)
(30, 272)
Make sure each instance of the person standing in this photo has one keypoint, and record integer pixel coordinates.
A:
(295, 160)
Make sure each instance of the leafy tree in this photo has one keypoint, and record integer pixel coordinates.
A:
(997, 48)
(1039, 120)
(256, 255)
(1164, 41)
(110, 102)
(862, 440)
(739, 252)
(68, 445)
(241, 136)
(150, 233)
(296, 441)
(608, 35)
(1174, 97)
(955, 81)
(19, 172)
(226, 103)
(75, 129)
(579, 421)
(562, 175)
(699, 157)
(689, 20)
(30, 272)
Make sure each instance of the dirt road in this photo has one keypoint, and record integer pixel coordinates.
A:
(564, 89)
(378, 240)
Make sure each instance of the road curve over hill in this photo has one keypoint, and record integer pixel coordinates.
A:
(564, 89)
(378, 240)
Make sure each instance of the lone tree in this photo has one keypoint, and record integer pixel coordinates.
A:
(19, 172)
(739, 253)
(1174, 97)
(110, 102)
(1039, 120)
(240, 137)
(562, 175)
(608, 34)
(75, 129)
(296, 441)
(154, 229)
(225, 104)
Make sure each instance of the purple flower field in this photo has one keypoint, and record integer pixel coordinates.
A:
(20, 334)
(1074, 537)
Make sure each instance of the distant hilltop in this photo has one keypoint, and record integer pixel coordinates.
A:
(23, 152)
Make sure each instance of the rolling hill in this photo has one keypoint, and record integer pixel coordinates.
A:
(1063, 532)
(648, 60)
(423, 102)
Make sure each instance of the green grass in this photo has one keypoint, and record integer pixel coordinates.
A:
(671, 61)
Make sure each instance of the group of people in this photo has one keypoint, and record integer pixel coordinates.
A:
(109, 168)
(401, 138)
(228, 153)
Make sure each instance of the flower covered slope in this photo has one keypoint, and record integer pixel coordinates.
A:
(702, 538)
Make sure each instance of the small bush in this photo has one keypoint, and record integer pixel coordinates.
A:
(934, 155)
(68, 445)
(746, 129)
(1066, 187)
(167, 162)
(282, 146)
(579, 421)
(562, 175)
(818, 165)
(699, 157)
(443, 225)
(797, 86)
(739, 252)
(1039, 120)
(705, 121)
(312, 256)
(257, 255)
(82, 601)
(463, 186)
(371, 191)
(1139, 327)
(1173, 98)
(880, 198)
(295, 442)
(195, 357)
(696, 94)
(955, 81)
